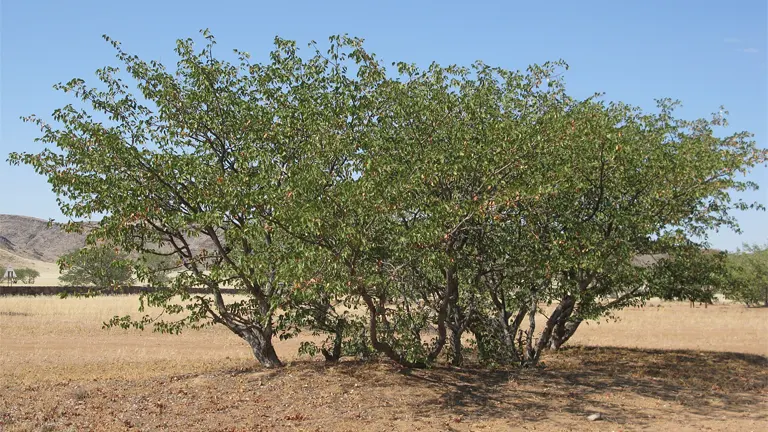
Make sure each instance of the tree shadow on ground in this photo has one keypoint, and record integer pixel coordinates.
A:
(581, 380)
(630, 387)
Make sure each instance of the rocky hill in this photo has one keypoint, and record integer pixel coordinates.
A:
(31, 238)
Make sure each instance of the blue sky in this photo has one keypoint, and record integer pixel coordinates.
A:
(705, 53)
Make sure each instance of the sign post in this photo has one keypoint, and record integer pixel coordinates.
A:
(10, 275)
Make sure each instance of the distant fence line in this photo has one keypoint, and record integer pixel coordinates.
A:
(56, 290)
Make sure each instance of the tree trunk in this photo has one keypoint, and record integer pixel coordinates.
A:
(766, 296)
(335, 355)
(530, 353)
(450, 298)
(558, 337)
(262, 347)
(458, 356)
(570, 329)
(508, 332)
(382, 346)
(259, 337)
(565, 310)
(558, 333)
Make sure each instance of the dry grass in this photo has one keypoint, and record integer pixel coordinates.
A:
(674, 325)
(46, 338)
(679, 368)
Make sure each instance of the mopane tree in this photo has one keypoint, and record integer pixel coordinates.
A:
(650, 185)
(210, 150)
(502, 198)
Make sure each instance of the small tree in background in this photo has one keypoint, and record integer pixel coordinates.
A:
(690, 273)
(157, 267)
(27, 275)
(748, 275)
(99, 266)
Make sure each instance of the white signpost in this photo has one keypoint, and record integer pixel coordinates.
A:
(10, 275)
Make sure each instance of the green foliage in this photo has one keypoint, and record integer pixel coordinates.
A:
(157, 268)
(690, 273)
(213, 150)
(27, 275)
(100, 266)
(748, 271)
(392, 211)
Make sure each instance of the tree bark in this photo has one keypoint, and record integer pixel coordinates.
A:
(450, 298)
(508, 332)
(570, 329)
(565, 310)
(458, 356)
(335, 355)
(566, 326)
(546, 335)
(558, 337)
(450, 294)
(262, 347)
(530, 353)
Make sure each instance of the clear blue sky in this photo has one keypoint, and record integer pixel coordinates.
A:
(705, 53)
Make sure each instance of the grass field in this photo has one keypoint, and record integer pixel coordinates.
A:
(664, 366)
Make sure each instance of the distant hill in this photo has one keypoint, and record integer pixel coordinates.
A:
(31, 238)
(49, 272)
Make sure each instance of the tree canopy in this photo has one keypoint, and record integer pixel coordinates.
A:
(392, 210)
(748, 275)
(27, 275)
(100, 266)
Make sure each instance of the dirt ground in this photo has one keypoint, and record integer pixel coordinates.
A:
(662, 367)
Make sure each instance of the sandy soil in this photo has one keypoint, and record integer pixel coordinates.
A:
(662, 367)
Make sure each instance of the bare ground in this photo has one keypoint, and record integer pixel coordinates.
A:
(633, 389)
(676, 371)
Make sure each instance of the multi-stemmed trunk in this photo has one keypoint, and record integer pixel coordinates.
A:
(561, 325)
(376, 314)
(570, 328)
(257, 333)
